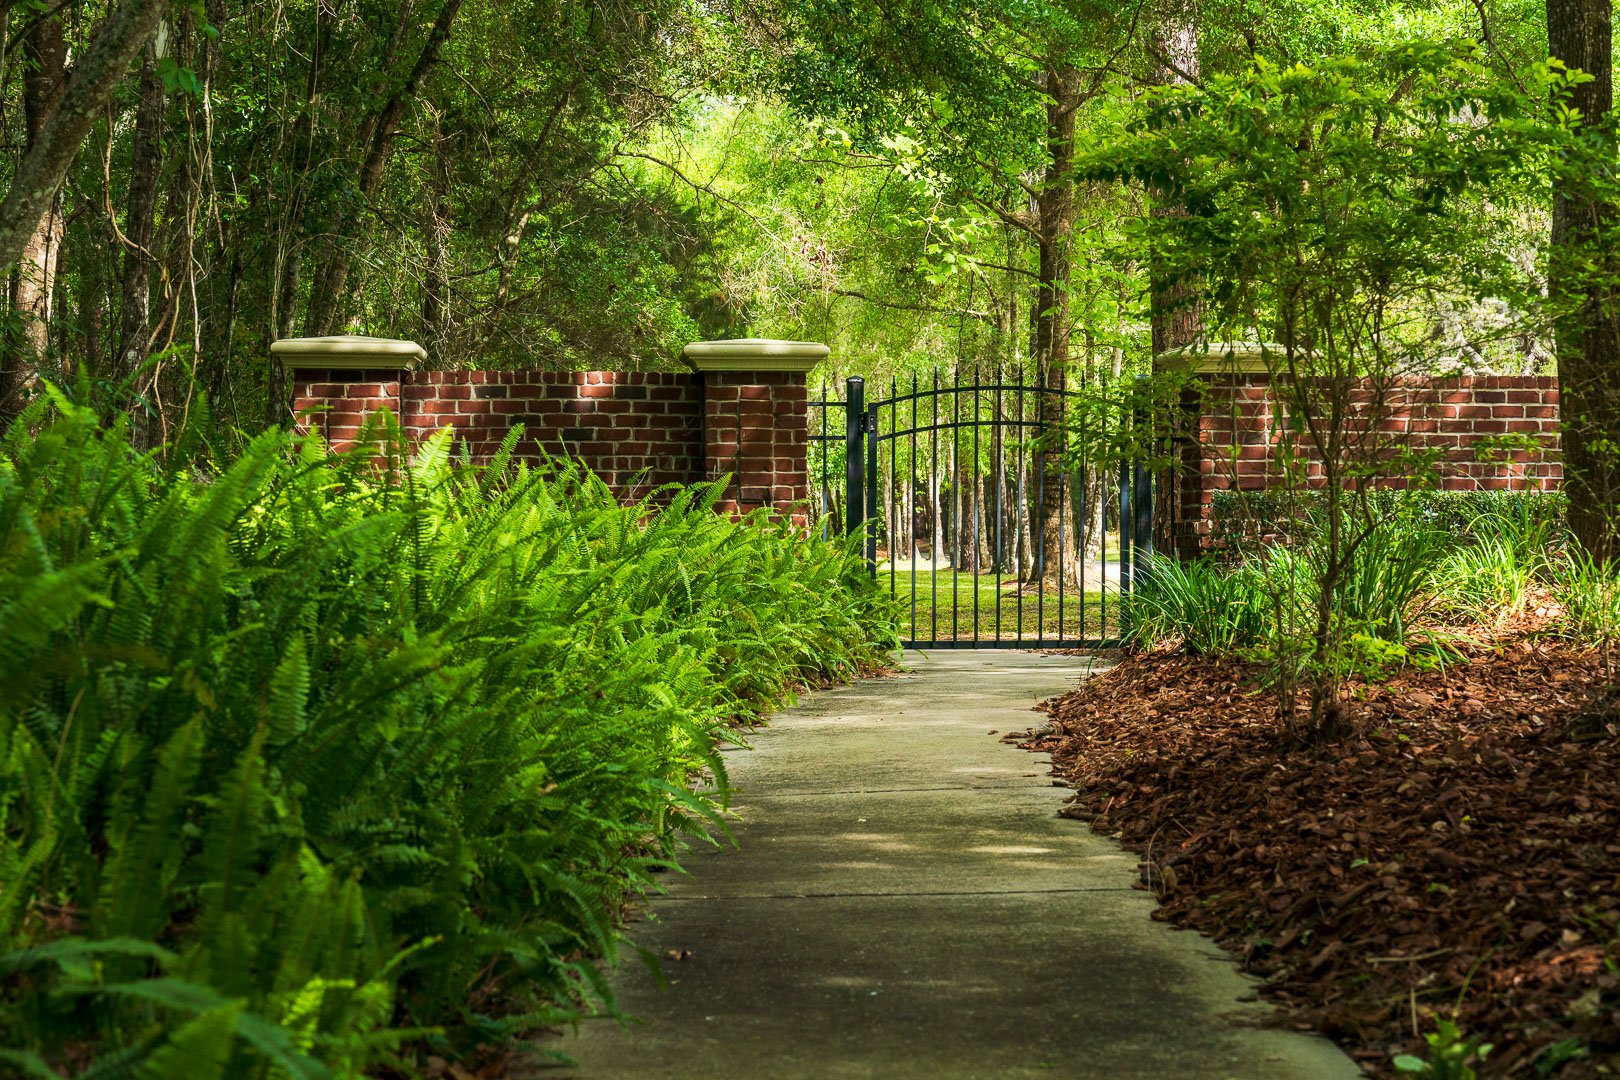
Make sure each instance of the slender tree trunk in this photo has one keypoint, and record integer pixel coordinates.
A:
(1117, 370)
(1055, 209)
(135, 322)
(886, 493)
(286, 275)
(936, 519)
(89, 299)
(967, 518)
(1176, 315)
(436, 274)
(33, 283)
(1585, 273)
(1021, 518)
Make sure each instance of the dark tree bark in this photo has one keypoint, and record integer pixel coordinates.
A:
(33, 283)
(1585, 271)
(963, 491)
(437, 200)
(286, 273)
(328, 295)
(95, 76)
(1176, 316)
(1054, 215)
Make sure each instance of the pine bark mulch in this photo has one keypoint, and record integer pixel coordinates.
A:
(1459, 856)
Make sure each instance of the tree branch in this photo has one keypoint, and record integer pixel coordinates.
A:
(91, 83)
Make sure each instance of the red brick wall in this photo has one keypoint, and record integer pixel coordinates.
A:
(636, 430)
(759, 431)
(620, 424)
(1232, 440)
(346, 397)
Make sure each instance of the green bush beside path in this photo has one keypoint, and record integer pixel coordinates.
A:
(304, 766)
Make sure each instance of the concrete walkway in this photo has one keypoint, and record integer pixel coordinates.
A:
(905, 903)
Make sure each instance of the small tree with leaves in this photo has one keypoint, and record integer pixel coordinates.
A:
(1326, 208)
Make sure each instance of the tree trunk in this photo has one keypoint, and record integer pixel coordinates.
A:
(1585, 266)
(936, 519)
(96, 74)
(436, 274)
(33, 285)
(135, 322)
(967, 518)
(90, 297)
(329, 295)
(1176, 315)
(1055, 212)
(286, 272)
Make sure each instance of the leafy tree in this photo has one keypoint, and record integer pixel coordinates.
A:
(1586, 276)
(1324, 205)
(992, 93)
(61, 110)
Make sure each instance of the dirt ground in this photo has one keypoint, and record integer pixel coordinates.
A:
(1459, 857)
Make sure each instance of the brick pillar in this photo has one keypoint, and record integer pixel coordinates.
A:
(344, 379)
(756, 421)
(1222, 437)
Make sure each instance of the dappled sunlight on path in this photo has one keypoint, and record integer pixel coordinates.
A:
(904, 901)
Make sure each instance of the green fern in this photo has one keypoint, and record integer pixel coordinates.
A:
(354, 735)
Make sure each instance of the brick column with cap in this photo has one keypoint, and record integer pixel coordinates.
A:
(338, 381)
(756, 420)
(1222, 433)
(1227, 434)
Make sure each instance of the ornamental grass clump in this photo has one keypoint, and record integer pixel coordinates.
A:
(1492, 576)
(1589, 593)
(306, 759)
(1214, 609)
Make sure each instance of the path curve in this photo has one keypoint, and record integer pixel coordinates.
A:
(905, 903)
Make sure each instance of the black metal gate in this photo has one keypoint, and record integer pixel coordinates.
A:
(983, 528)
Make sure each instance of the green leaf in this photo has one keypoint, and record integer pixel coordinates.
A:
(289, 690)
(28, 1064)
(200, 1050)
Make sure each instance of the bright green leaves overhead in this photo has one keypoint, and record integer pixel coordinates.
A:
(1366, 184)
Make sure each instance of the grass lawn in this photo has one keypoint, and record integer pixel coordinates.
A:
(940, 604)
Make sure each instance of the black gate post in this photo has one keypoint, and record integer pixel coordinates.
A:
(874, 523)
(1127, 521)
(1142, 528)
(854, 456)
(1142, 488)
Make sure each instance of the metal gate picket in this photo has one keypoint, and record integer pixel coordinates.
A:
(1005, 416)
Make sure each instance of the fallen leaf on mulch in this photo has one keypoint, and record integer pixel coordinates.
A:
(1460, 854)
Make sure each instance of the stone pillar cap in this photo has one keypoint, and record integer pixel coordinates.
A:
(755, 354)
(348, 351)
(1241, 357)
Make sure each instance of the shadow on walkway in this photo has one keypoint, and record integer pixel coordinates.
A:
(906, 903)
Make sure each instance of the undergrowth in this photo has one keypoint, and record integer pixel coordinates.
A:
(308, 760)
(1407, 584)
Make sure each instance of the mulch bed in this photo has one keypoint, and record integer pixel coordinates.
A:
(1459, 856)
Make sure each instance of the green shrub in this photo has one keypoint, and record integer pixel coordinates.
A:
(1386, 586)
(1489, 577)
(1236, 517)
(1264, 605)
(299, 761)
(1451, 1056)
(1589, 593)
(1212, 608)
